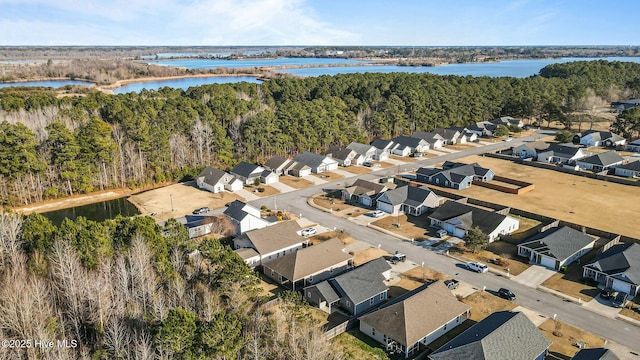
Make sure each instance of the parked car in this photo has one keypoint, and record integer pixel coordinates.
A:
(308, 232)
(398, 257)
(477, 267)
(201, 210)
(416, 154)
(506, 294)
(508, 139)
(367, 164)
(377, 213)
(607, 293)
(441, 233)
(620, 300)
(451, 284)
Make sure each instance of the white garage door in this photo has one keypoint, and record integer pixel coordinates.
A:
(548, 262)
(388, 208)
(621, 286)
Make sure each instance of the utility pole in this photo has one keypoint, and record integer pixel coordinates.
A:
(171, 197)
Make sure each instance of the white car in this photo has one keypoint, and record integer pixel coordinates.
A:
(308, 232)
(377, 213)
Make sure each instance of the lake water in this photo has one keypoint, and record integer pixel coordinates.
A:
(251, 63)
(99, 211)
(46, 83)
(514, 68)
(184, 83)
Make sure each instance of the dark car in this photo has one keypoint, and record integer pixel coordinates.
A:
(451, 284)
(607, 293)
(506, 294)
(620, 300)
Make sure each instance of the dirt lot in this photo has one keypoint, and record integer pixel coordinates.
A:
(405, 159)
(185, 198)
(566, 344)
(571, 283)
(72, 201)
(268, 190)
(413, 227)
(484, 304)
(591, 202)
(295, 182)
(357, 169)
(328, 176)
(414, 278)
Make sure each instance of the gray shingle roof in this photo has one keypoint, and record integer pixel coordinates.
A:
(409, 319)
(560, 242)
(448, 134)
(469, 216)
(603, 159)
(326, 291)
(410, 195)
(362, 186)
(275, 237)
(621, 261)
(212, 175)
(235, 210)
(361, 149)
(563, 150)
(310, 159)
(382, 144)
(275, 162)
(246, 253)
(363, 282)
(340, 153)
(245, 169)
(429, 137)
(503, 335)
(595, 354)
(633, 166)
(407, 141)
(601, 135)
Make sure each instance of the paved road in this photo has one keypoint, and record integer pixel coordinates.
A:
(571, 313)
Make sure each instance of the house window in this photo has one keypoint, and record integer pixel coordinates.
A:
(372, 300)
(437, 181)
(348, 303)
(382, 296)
(373, 331)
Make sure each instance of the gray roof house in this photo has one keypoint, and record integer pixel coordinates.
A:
(344, 156)
(354, 291)
(600, 161)
(456, 218)
(455, 175)
(530, 149)
(434, 139)
(508, 121)
(366, 152)
(246, 172)
(277, 164)
(407, 199)
(365, 192)
(317, 163)
(245, 217)
(503, 335)
(272, 242)
(634, 146)
(465, 134)
(216, 180)
(383, 144)
(618, 268)
(631, 169)
(599, 138)
(309, 265)
(556, 247)
(482, 128)
(595, 354)
(621, 106)
(450, 136)
(413, 321)
(408, 145)
(561, 153)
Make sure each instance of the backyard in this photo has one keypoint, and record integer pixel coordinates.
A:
(412, 279)
(566, 345)
(484, 304)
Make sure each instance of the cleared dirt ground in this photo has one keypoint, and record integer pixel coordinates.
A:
(594, 203)
(185, 197)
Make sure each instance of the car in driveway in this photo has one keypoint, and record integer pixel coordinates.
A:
(506, 294)
(377, 213)
(620, 300)
(607, 293)
(451, 284)
(398, 257)
(202, 210)
(309, 232)
(441, 233)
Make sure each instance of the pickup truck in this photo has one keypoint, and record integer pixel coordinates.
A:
(451, 284)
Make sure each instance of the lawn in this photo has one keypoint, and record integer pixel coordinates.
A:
(565, 345)
(295, 182)
(563, 196)
(383, 164)
(328, 202)
(356, 345)
(414, 278)
(413, 227)
(528, 227)
(571, 283)
(367, 255)
(268, 190)
(498, 249)
(405, 159)
(460, 147)
(484, 304)
(329, 176)
(357, 169)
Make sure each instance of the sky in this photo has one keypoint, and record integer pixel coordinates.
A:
(320, 22)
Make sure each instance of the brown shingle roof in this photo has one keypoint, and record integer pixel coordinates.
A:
(418, 315)
(278, 236)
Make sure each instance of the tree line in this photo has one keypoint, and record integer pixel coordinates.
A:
(130, 289)
(54, 146)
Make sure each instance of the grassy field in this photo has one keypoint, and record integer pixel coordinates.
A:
(330, 203)
(295, 182)
(599, 204)
(565, 345)
(355, 345)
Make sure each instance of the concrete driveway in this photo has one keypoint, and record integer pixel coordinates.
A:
(315, 180)
(283, 188)
(534, 276)
(394, 161)
(247, 195)
(534, 316)
(603, 307)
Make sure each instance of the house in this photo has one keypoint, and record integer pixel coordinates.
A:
(415, 320)
(599, 138)
(434, 139)
(465, 135)
(216, 180)
(366, 152)
(530, 149)
(355, 291)
(508, 121)
(634, 146)
(561, 154)
(455, 175)
(382, 144)
(245, 217)
(408, 145)
(457, 218)
(631, 169)
(408, 200)
(621, 106)
(272, 242)
(309, 265)
(618, 268)
(365, 192)
(344, 156)
(482, 128)
(595, 354)
(249, 255)
(556, 247)
(298, 169)
(600, 161)
(317, 163)
(197, 225)
(503, 335)
(247, 173)
(278, 165)
(269, 177)
(450, 136)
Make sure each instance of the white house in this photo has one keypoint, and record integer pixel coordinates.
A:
(434, 139)
(556, 247)
(247, 173)
(215, 180)
(408, 144)
(366, 152)
(409, 200)
(561, 153)
(530, 149)
(269, 177)
(600, 161)
(245, 217)
(317, 163)
(599, 138)
(271, 242)
(631, 169)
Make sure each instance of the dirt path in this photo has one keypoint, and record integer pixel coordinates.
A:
(72, 201)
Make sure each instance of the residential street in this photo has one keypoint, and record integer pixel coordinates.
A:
(547, 304)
